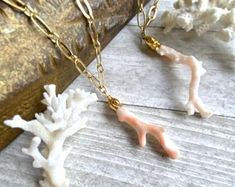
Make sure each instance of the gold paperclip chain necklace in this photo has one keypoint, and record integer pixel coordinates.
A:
(98, 82)
(144, 20)
(142, 128)
(124, 115)
(94, 35)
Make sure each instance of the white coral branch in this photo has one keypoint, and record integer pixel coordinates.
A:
(33, 151)
(60, 120)
(33, 126)
(194, 102)
(201, 15)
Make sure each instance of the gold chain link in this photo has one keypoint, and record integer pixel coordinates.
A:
(144, 20)
(87, 12)
(141, 17)
(57, 41)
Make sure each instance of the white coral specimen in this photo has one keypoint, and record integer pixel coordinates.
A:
(60, 120)
(202, 15)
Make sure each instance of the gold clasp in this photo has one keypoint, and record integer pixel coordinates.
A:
(152, 42)
(114, 103)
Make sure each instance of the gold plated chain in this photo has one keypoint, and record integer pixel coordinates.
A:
(94, 36)
(114, 103)
(144, 20)
(98, 82)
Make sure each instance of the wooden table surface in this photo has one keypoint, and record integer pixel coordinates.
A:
(106, 153)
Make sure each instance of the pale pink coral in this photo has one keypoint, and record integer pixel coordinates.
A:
(142, 128)
(194, 101)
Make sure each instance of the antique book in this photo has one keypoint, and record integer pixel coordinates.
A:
(28, 60)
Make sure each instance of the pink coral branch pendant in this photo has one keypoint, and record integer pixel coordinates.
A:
(142, 128)
(194, 102)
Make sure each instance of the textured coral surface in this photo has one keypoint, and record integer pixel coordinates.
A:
(202, 16)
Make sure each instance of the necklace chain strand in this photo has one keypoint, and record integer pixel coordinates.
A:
(142, 128)
(98, 82)
(144, 19)
(94, 35)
